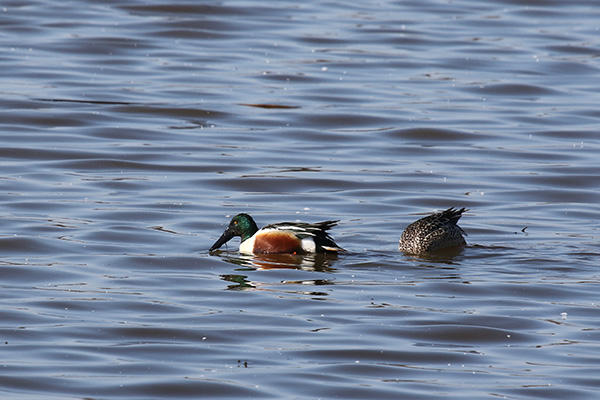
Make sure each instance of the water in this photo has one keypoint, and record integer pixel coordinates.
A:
(132, 131)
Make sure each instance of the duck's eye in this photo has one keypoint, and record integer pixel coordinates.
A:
(235, 222)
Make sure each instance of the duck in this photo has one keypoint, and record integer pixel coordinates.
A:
(435, 232)
(283, 237)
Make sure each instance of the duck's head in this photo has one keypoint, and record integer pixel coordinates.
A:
(241, 225)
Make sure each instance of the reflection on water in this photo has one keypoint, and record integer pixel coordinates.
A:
(307, 262)
(241, 282)
(447, 256)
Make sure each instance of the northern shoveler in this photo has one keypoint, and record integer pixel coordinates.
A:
(434, 232)
(284, 237)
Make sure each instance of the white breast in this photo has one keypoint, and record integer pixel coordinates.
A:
(247, 247)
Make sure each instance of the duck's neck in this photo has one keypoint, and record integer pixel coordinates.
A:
(249, 230)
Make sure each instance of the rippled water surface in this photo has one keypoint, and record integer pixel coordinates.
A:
(132, 131)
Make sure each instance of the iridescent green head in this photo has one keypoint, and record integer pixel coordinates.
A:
(241, 225)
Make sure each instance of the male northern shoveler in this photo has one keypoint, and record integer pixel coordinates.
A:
(284, 237)
(434, 232)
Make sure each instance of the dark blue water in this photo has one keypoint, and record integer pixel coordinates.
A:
(131, 132)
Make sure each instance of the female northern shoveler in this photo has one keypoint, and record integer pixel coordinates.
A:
(434, 232)
(285, 237)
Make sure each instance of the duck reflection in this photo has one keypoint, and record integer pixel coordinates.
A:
(443, 256)
(241, 282)
(306, 262)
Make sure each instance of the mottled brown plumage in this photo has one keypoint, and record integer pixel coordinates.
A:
(434, 232)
